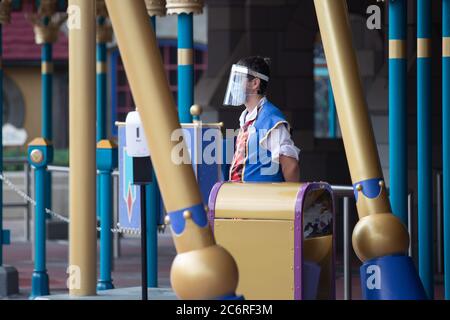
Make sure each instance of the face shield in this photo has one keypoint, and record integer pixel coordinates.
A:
(236, 94)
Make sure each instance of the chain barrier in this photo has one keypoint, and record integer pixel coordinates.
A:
(60, 217)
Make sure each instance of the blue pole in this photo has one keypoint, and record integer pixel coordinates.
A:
(101, 89)
(39, 280)
(153, 209)
(424, 142)
(101, 101)
(105, 281)
(331, 112)
(398, 110)
(1, 144)
(107, 158)
(446, 139)
(47, 105)
(185, 66)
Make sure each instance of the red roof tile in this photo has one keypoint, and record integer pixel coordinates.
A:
(19, 44)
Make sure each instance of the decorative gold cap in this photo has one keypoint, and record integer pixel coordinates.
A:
(156, 7)
(184, 6)
(5, 11)
(47, 33)
(196, 110)
(40, 142)
(106, 144)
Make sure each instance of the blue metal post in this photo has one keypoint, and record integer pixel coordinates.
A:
(40, 154)
(446, 139)
(153, 209)
(398, 110)
(331, 112)
(424, 142)
(101, 99)
(101, 89)
(185, 66)
(107, 159)
(47, 106)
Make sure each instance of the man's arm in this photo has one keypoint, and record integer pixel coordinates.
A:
(290, 168)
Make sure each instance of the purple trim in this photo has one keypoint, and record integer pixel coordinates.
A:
(298, 243)
(298, 237)
(212, 203)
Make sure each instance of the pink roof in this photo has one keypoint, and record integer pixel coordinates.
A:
(19, 44)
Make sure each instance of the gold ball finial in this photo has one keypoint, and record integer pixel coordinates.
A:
(379, 235)
(381, 183)
(187, 214)
(167, 220)
(359, 187)
(196, 110)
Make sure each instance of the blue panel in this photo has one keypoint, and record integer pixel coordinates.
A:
(198, 215)
(129, 195)
(391, 278)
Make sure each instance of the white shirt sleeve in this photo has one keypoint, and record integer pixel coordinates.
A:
(279, 142)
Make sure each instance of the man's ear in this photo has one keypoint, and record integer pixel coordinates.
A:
(256, 84)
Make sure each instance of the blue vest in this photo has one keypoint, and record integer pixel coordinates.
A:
(258, 165)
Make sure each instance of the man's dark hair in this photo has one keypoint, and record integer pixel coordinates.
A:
(260, 65)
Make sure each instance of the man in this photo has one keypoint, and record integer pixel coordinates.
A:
(264, 149)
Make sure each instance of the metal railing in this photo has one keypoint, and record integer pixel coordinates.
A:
(115, 176)
(345, 193)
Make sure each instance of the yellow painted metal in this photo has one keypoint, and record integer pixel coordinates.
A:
(423, 48)
(378, 233)
(40, 142)
(83, 222)
(202, 269)
(320, 251)
(101, 67)
(154, 101)
(47, 68)
(106, 144)
(185, 57)
(264, 252)
(257, 200)
(446, 46)
(397, 49)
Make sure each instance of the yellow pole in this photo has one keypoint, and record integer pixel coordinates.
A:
(202, 269)
(378, 232)
(82, 233)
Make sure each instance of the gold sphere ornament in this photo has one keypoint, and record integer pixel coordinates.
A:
(359, 187)
(379, 235)
(381, 183)
(204, 274)
(196, 110)
(187, 214)
(167, 220)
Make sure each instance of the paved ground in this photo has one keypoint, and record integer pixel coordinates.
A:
(126, 268)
